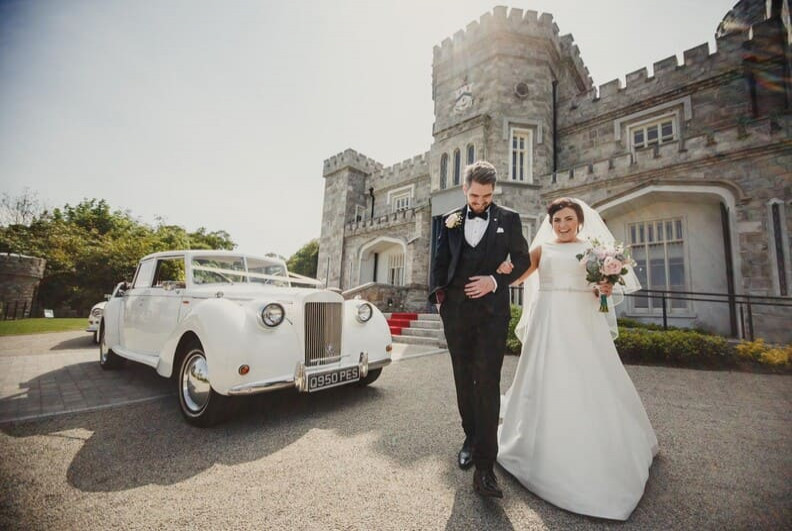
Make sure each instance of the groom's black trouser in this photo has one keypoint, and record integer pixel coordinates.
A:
(477, 340)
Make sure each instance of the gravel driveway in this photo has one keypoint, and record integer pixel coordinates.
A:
(383, 457)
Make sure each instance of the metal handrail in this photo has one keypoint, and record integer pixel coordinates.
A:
(746, 303)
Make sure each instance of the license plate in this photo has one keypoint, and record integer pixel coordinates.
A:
(324, 380)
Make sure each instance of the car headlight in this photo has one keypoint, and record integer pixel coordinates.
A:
(272, 314)
(364, 312)
(97, 312)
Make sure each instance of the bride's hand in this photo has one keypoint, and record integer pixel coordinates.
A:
(605, 288)
(505, 268)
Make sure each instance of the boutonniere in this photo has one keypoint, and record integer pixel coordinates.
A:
(454, 220)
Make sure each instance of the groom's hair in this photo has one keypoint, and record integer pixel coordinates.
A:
(562, 203)
(482, 172)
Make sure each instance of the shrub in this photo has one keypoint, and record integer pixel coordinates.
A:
(761, 352)
(674, 347)
(513, 345)
(626, 322)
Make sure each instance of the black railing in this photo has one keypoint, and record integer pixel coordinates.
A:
(742, 304)
(18, 309)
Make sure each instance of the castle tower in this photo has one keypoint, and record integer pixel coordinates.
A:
(345, 190)
(495, 86)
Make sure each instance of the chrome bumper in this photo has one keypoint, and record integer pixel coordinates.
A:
(300, 380)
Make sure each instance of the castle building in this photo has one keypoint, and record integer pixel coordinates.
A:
(691, 166)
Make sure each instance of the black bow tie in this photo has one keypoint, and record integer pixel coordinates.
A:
(472, 215)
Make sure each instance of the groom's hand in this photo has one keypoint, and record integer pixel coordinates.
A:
(479, 286)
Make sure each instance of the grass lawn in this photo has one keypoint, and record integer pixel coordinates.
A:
(41, 325)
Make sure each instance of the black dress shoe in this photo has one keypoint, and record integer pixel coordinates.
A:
(465, 456)
(485, 484)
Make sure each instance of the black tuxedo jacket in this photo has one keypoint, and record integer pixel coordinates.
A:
(503, 238)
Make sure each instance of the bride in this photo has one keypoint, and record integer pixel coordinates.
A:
(574, 429)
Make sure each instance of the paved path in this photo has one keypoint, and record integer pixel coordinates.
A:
(375, 458)
(47, 374)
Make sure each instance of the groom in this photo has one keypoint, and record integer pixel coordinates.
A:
(474, 305)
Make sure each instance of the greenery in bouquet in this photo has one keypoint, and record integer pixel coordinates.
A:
(605, 263)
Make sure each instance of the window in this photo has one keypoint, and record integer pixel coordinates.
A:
(144, 273)
(396, 269)
(648, 134)
(444, 171)
(659, 252)
(471, 154)
(360, 211)
(457, 166)
(401, 201)
(170, 273)
(779, 253)
(401, 198)
(521, 160)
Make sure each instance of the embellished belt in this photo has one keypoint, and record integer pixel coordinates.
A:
(554, 288)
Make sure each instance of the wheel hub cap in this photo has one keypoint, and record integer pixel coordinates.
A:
(195, 383)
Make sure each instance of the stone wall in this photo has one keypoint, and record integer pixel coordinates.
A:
(19, 280)
(410, 298)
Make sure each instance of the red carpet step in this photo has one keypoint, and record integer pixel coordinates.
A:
(399, 321)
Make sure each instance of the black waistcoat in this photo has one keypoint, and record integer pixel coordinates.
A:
(471, 259)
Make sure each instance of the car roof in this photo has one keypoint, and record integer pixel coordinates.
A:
(210, 252)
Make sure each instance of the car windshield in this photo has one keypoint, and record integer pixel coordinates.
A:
(237, 269)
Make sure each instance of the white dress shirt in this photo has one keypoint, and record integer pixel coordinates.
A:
(474, 232)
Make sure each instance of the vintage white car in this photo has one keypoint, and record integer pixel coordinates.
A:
(224, 324)
(94, 318)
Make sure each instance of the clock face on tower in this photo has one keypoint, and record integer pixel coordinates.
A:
(463, 98)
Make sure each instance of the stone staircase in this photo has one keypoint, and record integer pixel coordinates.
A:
(417, 329)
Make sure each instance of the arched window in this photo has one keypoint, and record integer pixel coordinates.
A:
(457, 166)
(471, 154)
(444, 171)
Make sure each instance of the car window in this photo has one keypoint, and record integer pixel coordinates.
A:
(169, 273)
(218, 269)
(267, 268)
(143, 275)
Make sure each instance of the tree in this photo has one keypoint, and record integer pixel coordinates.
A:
(305, 260)
(21, 209)
(89, 248)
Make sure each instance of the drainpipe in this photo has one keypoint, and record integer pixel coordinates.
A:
(555, 127)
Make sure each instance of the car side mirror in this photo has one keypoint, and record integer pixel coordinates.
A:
(107, 296)
(122, 289)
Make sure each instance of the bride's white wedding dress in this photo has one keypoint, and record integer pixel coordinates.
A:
(574, 429)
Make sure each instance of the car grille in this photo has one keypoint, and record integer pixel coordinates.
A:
(322, 332)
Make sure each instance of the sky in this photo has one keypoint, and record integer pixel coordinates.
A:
(219, 114)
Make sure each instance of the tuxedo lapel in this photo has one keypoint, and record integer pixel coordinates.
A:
(490, 236)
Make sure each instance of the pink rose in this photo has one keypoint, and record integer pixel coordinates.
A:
(611, 266)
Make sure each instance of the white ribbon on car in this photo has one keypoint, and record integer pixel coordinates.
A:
(293, 278)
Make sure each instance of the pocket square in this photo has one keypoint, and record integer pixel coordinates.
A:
(500, 230)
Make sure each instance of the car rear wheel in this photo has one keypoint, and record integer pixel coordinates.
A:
(372, 375)
(199, 403)
(108, 359)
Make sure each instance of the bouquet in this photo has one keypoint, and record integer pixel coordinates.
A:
(605, 262)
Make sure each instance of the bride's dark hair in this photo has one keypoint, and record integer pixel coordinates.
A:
(562, 203)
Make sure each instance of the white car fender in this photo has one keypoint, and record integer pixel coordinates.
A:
(359, 337)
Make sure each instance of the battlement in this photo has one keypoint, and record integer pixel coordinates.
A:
(698, 64)
(406, 169)
(514, 20)
(350, 158)
(712, 144)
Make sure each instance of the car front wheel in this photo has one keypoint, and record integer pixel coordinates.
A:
(199, 403)
(108, 359)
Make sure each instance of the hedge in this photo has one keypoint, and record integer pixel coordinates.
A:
(680, 347)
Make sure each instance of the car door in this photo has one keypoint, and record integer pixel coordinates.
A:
(133, 318)
(162, 304)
